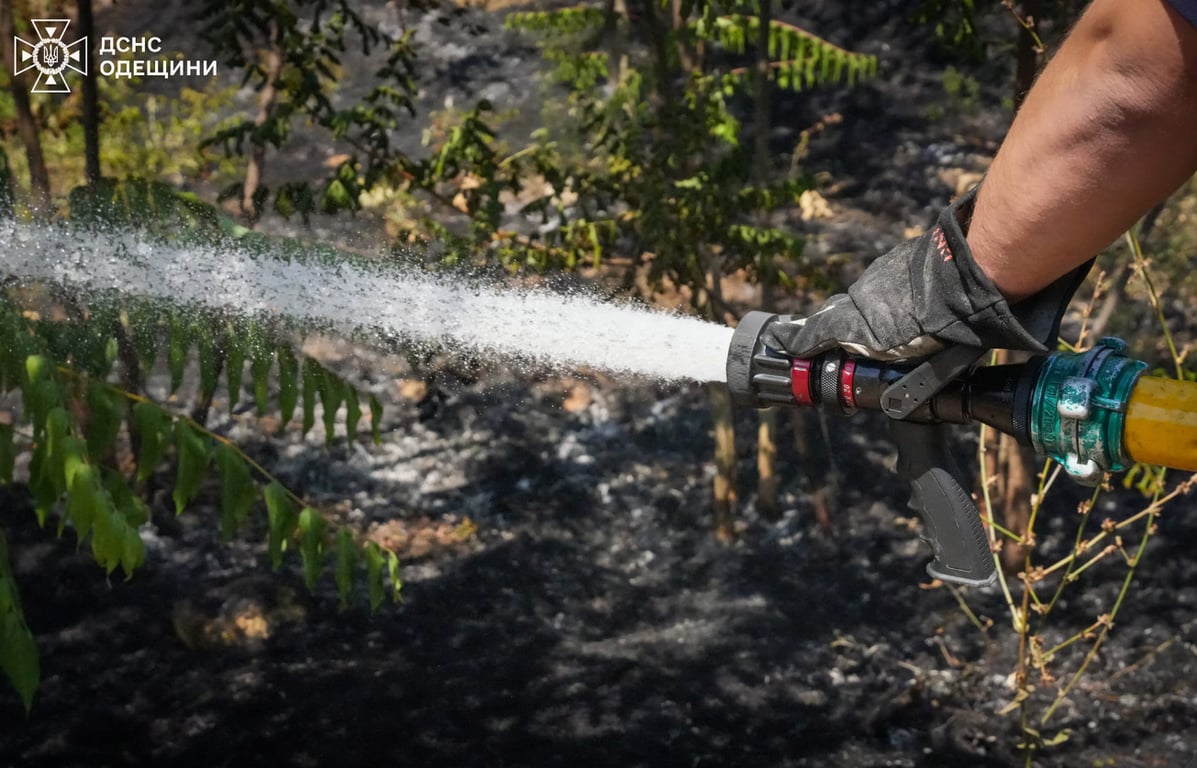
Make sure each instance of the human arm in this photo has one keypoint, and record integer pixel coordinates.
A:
(1108, 130)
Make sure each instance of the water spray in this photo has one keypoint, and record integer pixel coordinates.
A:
(1093, 412)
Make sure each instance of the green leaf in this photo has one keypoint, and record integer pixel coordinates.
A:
(150, 421)
(288, 384)
(259, 369)
(74, 457)
(347, 550)
(311, 545)
(126, 502)
(106, 410)
(41, 394)
(176, 355)
(282, 520)
(38, 368)
(353, 412)
(18, 650)
(374, 561)
(194, 454)
(133, 551)
(332, 393)
(108, 530)
(47, 465)
(312, 374)
(143, 323)
(234, 367)
(237, 491)
(209, 365)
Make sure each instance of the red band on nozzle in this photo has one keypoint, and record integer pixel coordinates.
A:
(800, 381)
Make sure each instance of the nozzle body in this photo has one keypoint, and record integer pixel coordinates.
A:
(759, 376)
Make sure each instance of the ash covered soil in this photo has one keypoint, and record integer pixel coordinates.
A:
(565, 600)
(565, 603)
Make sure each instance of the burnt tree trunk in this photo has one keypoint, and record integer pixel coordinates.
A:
(39, 176)
(725, 460)
(91, 98)
(250, 208)
(768, 482)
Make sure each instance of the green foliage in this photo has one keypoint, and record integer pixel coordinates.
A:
(80, 411)
(159, 136)
(18, 650)
(956, 25)
(309, 39)
(798, 59)
(954, 22)
(649, 158)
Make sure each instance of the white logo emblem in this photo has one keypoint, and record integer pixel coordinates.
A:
(50, 56)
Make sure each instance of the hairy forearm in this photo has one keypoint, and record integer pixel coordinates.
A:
(1108, 131)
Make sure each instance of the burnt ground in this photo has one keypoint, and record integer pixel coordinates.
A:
(584, 615)
(565, 602)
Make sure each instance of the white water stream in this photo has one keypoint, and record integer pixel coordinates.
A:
(537, 326)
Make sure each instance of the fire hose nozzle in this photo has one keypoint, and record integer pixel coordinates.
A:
(759, 376)
(743, 366)
(1093, 412)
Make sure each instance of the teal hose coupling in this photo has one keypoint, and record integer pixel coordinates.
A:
(1078, 409)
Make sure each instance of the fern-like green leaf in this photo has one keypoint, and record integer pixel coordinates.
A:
(237, 491)
(194, 455)
(332, 394)
(311, 545)
(143, 328)
(105, 413)
(18, 650)
(126, 502)
(260, 362)
(151, 422)
(234, 366)
(47, 464)
(288, 384)
(312, 374)
(209, 364)
(176, 355)
(353, 412)
(108, 530)
(282, 522)
(132, 552)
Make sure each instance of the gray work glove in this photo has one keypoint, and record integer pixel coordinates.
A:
(925, 294)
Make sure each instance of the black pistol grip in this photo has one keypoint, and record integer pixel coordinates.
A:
(951, 521)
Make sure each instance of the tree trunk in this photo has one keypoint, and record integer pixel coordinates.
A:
(266, 101)
(658, 39)
(725, 461)
(766, 447)
(91, 98)
(39, 177)
(685, 56)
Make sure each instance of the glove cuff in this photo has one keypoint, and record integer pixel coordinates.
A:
(1032, 324)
